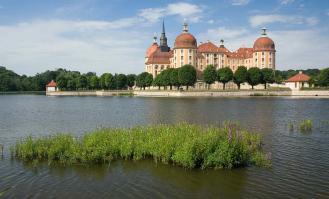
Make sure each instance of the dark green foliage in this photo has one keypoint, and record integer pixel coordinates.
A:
(187, 75)
(174, 81)
(254, 76)
(224, 75)
(93, 82)
(209, 75)
(120, 81)
(107, 81)
(158, 81)
(268, 76)
(131, 78)
(190, 146)
(82, 82)
(240, 76)
(323, 78)
(144, 79)
(73, 80)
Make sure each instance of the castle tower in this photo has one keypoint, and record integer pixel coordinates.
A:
(264, 51)
(185, 49)
(163, 40)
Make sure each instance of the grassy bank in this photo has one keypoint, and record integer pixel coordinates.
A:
(186, 145)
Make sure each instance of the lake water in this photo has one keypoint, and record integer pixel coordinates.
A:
(300, 160)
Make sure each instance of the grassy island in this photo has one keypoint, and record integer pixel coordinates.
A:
(190, 146)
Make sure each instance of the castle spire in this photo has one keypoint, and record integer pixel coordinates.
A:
(185, 27)
(163, 40)
(163, 27)
(264, 34)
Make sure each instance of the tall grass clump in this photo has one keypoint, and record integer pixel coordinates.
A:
(186, 145)
(306, 126)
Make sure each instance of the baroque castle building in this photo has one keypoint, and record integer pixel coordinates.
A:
(186, 51)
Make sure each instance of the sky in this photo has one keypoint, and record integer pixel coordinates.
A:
(113, 35)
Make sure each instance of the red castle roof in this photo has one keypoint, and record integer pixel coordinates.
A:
(52, 84)
(300, 77)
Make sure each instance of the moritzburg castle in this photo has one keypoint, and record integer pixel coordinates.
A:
(187, 51)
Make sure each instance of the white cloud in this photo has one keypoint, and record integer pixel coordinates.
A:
(222, 33)
(86, 45)
(285, 2)
(189, 11)
(295, 48)
(240, 2)
(211, 21)
(259, 20)
(77, 45)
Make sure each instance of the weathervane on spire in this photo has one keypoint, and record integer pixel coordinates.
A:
(185, 26)
(264, 31)
(155, 38)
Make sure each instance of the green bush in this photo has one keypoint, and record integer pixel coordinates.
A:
(186, 145)
(306, 126)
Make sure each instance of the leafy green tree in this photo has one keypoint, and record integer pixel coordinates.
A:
(323, 77)
(209, 75)
(131, 78)
(106, 80)
(158, 81)
(268, 76)
(165, 78)
(187, 76)
(93, 82)
(62, 81)
(82, 82)
(144, 79)
(174, 81)
(254, 76)
(224, 75)
(120, 81)
(240, 76)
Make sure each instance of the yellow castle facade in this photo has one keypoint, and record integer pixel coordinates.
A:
(186, 51)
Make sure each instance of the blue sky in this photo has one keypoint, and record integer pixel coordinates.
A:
(112, 35)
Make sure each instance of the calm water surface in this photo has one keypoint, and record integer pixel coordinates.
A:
(300, 160)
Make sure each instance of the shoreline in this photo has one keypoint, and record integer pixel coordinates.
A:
(156, 93)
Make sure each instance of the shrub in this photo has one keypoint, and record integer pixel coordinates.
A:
(306, 126)
(186, 145)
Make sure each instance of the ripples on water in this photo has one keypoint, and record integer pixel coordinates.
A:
(300, 160)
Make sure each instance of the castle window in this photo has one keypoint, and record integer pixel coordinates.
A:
(181, 51)
(190, 51)
(162, 67)
(156, 67)
(262, 53)
(190, 57)
(262, 59)
(207, 55)
(181, 57)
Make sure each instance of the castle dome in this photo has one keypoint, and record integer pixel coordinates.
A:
(264, 43)
(152, 49)
(185, 39)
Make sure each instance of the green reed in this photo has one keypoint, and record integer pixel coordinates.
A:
(187, 145)
(306, 126)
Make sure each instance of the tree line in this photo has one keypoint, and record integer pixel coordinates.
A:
(169, 78)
